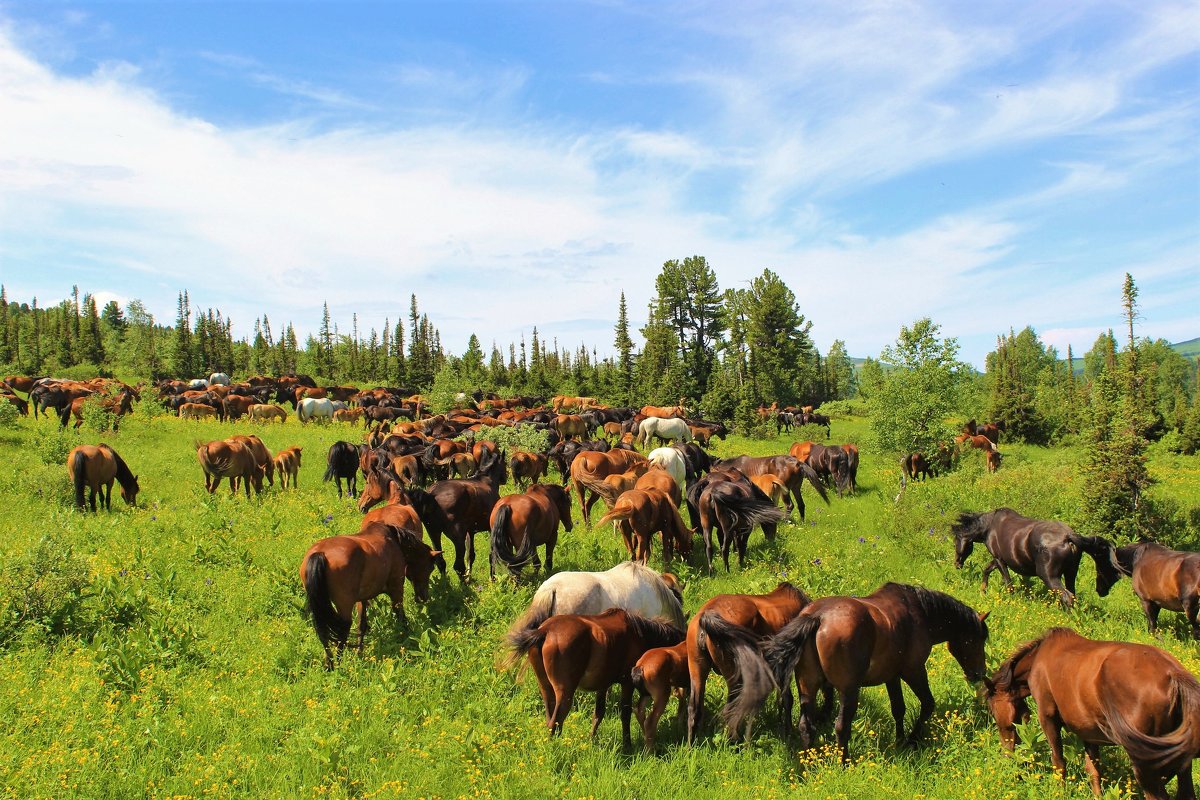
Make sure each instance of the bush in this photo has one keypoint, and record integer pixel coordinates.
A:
(43, 592)
(844, 408)
(97, 416)
(83, 372)
(52, 443)
(525, 437)
(152, 407)
(9, 416)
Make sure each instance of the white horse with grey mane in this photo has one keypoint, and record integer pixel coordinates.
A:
(629, 585)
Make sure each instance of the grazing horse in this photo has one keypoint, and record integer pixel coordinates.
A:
(914, 466)
(318, 408)
(196, 411)
(342, 464)
(641, 513)
(852, 642)
(665, 430)
(790, 470)
(590, 468)
(671, 460)
(569, 652)
(977, 442)
(1132, 695)
(521, 522)
(287, 464)
(851, 451)
(262, 456)
(659, 674)
(569, 426)
(459, 509)
(342, 572)
(629, 585)
(726, 499)
(229, 459)
(773, 488)
(992, 460)
(95, 468)
(663, 482)
(715, 642)
(810, 418)
(118, 405)
(1163, 578)
(1045, 548)
(527, 467)
(831, 463)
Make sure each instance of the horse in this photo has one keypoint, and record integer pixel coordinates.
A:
(791, 471)
(657, 675)
(1132, 695)
(263, 412)
(590, 468)
(992, 460)
(671, 460)
(664, 412)
(341, 572)
(96, 467)
(22, 406)
(830, 462)
(811, 418)
(235, 406)
(569, 652)
(219, 378)
(978, 442)
(319, 408)
(914, 466)
(660, 480)
(852, 642)
(727, 499)
(262, 456)
(639, 514)
(342, 464)
(569, 426)
(118, 405)
(773, 488)
(527, 467)
(784, 421)
(287, 464)
(196, 411)
(989, 429)
(1045, 548)
(665, 430)
(1162, 578)
(350, 415)
(715, 641)
(629, 585)
(228, 459)
(459, 509)
(521, 522)
(851, 451)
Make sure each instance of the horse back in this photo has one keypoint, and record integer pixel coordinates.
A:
(1017, 541)
(1167, 577)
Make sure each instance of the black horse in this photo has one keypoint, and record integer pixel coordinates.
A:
(1045, 548)
(343, 464)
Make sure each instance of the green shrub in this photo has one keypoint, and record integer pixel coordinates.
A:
(524, 437)
(9, 416)
(43, 592)
(97, 416)
(150, 406)
(844, 408)
(52, 443)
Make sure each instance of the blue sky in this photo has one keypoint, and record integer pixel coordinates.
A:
(990, 165)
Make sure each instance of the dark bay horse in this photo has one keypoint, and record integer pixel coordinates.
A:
(522, 522)
(727, 500)
(1045, 548)
(342, 464)
(568, 652)
(641, 513)
(1163, 578)
(791, 471)
(724, 636)
(342, 572)
(1131, 695)
(95, 468)
(852, 642)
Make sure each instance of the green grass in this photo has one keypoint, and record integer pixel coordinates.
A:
(189, 669)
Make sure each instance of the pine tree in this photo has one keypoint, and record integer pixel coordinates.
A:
(624, 345)
(6, 343)
(182, 358)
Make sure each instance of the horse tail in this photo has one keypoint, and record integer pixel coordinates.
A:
(328, 625)
(749, 511)
(619, 511)
(79, 473)
(540, 610)
(784, 649)
(751, 681)
(331, 469)
(502, 546)
(811, 474)
(1170, 753)
(590, 482)
(638, 678)
(522, 640)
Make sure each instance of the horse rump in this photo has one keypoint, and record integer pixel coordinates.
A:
(751, 682)
(328, 625)
(522, 640)
(501, 546)
(1171, 753)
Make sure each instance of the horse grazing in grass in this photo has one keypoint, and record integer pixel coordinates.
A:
(914, 466)
(722, 636)
(665, 430)
(287, 464)
(95, 468)
(118, 405)
(342, 464)
(590, 468)
(659, 674)
(727, 500)
(1163, 578)
(629, 585)
(641, 513)
(232, 460)
(790, 470)
(671, 460)
(852, 642)
(522, 522)
(527, 467)
(568, 652)
(262, 456)
(196, 411)
(1045, 548)
(318, 408)
(342, 572)
(1131, 695)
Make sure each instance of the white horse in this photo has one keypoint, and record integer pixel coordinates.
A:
(673, 429)
(199, 384)
(320, 408)
(219, 378)
(673, 462)
(629, 585)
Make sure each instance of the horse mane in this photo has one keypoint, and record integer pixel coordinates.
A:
(935, 605)
(1005, 675)
(662, 632)
(970, 523)
(788, 589)
(124, 474)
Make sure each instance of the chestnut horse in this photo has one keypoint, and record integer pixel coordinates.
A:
(659, 674)
(342, 572)
(1132, 695)
(1163, 578)
(914, 466)
(852, 642)
(287, 464)
(521, 522)
(233, 460)
(1045, 548)
(96, 467)
(724, 632)
(527, 467)
(590, 468)
(641, 513)
(569, 652)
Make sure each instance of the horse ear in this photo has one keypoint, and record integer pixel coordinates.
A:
(983, 617)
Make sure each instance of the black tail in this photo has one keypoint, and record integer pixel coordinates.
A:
(330, 471)
(815, 479)
(502, 546)
(784, 649)
(748, 510)
(522, 639)
(751, 682)
(328, 625)
(80, 475)
(1171, 753)
(638, 678)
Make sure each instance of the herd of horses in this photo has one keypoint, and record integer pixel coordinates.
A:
(626, 627)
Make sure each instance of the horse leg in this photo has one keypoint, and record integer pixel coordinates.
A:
(435, 536)
(553, 541)
(995, 564)
(460, 547)
(1184, 788)
(362, 625)
(918, 681)
(626, 707)
(896, 697)
(1151, 609)
(845, 720)
(469, 541)
(1070, 571)
(697, 673)
(92, 497)
(1065, 597)
(1052, 727)
(598, 715)
(1154, 785)
(1091, 763)
(544, 686)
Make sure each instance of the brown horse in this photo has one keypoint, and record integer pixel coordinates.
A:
(641, 513)
(263, 412)
(521, 522)
(1045, 548)
(118, 405)
(852, 642)
(569, 426)
(232, 460)
(991, 458)
(659, 674)
(1131, 695)
(978, 442)
(262, 456)
(196, 411)
(723, 634)
(569, 652)
(287, 464)
(660, 479)
(590, 468)
(527, 467)
(1163, 578)
(790, 470)
(727, 500)
(665, 412)
(341, 572)
(96, 467)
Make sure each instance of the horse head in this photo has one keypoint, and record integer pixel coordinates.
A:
(967, 531)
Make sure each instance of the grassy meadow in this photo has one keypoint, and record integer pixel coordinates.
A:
(163, 650)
